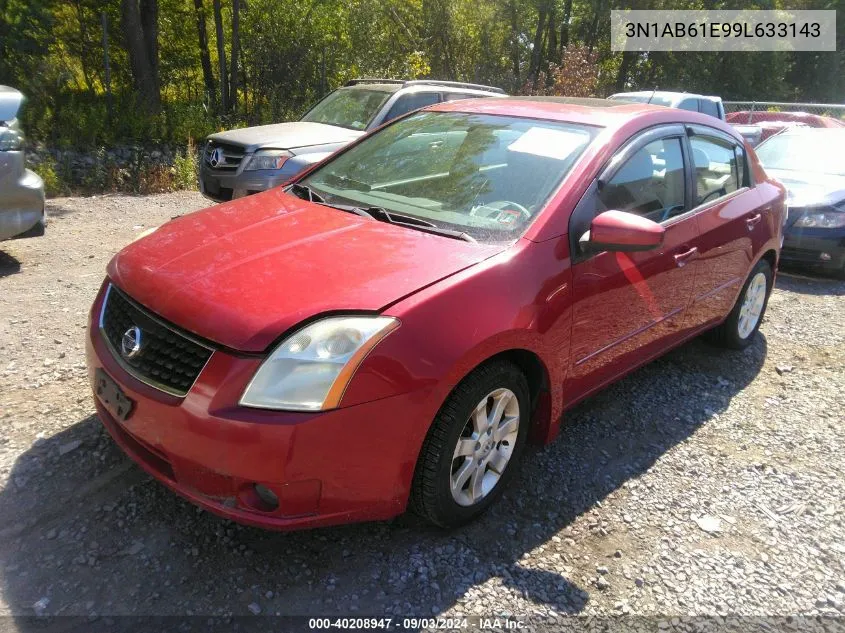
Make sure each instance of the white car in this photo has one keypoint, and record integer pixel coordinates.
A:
(682, 100)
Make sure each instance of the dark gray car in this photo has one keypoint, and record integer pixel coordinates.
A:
(21, 190)
(245, 161)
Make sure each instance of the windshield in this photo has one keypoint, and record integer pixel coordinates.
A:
(485, 175)
(816, 151)
(348, 108)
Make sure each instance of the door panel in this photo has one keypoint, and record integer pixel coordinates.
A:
(627, 306)
(725, 252)
(727, 222)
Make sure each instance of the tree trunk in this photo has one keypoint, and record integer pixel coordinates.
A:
(236, 42)
(551, 37)
(221, 58)
(144, 74)
(83, 49)
(564, 25)
(592, 34)
(537, 49)
(514, 18)
(205, 56)
(624, 70)
(149, 22)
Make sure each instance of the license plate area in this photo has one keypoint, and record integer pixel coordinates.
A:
(111, 395)
(209, 185)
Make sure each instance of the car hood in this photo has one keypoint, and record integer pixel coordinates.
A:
(10, 103)
(242, 273)
(287, 135)
(806, 189)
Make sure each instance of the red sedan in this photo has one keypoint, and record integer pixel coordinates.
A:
(392, 328)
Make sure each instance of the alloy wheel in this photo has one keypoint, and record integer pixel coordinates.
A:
(485, 447)
(752, 305)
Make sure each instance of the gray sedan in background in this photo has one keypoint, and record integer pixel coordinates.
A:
(21, 190)
(249, 160)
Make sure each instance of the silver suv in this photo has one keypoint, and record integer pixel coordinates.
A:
(21, 191)
(249, 160)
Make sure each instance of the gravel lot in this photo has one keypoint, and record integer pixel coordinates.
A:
(709, 482)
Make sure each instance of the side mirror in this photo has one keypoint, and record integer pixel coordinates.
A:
(622, 231)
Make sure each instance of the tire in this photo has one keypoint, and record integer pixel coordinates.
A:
(734, 333)
(439, 469)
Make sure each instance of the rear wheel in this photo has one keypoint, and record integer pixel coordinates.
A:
(738, 330)
(473, 445)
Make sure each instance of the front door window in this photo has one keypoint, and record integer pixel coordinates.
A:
(650, 183)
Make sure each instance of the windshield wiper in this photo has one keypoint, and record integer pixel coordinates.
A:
(306, 193)
(381, 214)
(436, 230)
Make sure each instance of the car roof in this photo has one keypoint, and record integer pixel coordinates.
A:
(598, 112)
(374, 87)
(667, 94)
(429, 85)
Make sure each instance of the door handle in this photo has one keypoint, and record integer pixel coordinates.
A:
(681, 259)
(753, 220)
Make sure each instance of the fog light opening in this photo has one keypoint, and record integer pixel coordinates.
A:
(269, 500)
(259, 498)
(825, 257)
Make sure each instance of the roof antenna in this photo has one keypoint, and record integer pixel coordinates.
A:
(653, 90)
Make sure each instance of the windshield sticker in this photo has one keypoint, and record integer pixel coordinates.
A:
(543, 141)
(508, 216)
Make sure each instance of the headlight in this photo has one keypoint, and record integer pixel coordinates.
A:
(268, 159)
(310, 369)
(10, 140)
(822, 220)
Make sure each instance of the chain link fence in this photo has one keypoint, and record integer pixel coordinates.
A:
(834, 110)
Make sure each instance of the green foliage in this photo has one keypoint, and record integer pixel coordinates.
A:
(53, 183)
(185, 167)
(292, 52)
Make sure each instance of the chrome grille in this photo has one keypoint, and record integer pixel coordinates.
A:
(228, 157)
(167, 359)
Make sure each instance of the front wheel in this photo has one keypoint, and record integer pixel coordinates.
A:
(738, 330)
(473, 445)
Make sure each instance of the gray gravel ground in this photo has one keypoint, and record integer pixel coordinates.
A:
(708, 482)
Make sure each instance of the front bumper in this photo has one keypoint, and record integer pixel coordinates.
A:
(349, 464)
(222, 185)
(816, 247)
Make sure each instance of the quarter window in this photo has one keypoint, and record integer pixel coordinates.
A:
(709, 107)
(650, 183)
(716, 172)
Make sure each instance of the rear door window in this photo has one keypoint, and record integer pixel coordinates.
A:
(716, 170)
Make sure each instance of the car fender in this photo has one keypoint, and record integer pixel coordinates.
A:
(508, 315)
